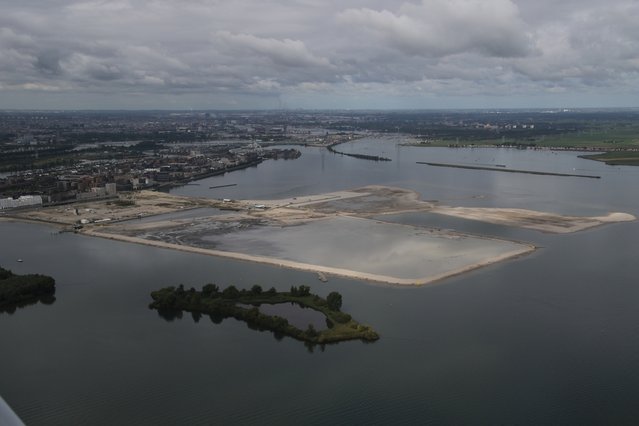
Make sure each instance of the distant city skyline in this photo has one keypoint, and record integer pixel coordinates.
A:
(313, 54)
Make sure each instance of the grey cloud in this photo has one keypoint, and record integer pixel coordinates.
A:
(444, 27)
(105, 72)
(287, 52)
(260, 48)
(48, 62)
(592, 46)
(10, 39)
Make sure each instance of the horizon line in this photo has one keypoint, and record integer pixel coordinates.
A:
(448, 109)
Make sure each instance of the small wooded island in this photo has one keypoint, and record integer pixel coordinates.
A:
(228, 303)
(21, 290)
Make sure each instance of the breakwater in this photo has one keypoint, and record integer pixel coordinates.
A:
(495, 169)
(361, 156)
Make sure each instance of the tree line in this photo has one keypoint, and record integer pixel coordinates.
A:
(23, 289)
(243, 304)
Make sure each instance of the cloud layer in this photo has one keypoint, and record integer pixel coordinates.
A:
(317, 53)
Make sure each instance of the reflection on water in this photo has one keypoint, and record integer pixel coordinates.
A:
(296, 315)
(171, 315)
(367, 246)
(45, 299)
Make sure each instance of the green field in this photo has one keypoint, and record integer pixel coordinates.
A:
(616, 158)
(604, 138)
(600, 138)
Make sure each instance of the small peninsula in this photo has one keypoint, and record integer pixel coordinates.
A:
(20, 290)
(244, 305)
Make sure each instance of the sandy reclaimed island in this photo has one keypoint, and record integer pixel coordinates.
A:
(331, 234)
(349, 247)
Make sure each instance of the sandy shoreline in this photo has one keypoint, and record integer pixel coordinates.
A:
(540, 221)
(429, 279)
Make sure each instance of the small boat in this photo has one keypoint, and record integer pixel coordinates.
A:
(20, 260)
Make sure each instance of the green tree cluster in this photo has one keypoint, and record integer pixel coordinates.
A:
(231, 292)
(334, 300)
(300, 291)
(231, 302)
(15, 289)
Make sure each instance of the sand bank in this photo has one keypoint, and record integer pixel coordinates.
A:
(530, 219)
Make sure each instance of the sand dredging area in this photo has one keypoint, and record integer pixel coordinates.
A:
(337, 233)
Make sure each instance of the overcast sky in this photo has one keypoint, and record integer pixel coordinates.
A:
(210, 54)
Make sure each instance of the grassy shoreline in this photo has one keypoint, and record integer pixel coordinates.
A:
(615, 158)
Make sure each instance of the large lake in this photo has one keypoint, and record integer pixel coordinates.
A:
(551, 338)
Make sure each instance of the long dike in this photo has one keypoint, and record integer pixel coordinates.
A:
(495, 169)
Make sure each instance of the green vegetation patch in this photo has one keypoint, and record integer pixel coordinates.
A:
(578, 135)
(124, 202)
(615, 137)
(616, 158)
(21, 290)
(227, 303)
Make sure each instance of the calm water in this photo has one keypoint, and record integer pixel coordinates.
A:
(295, 314)
(552, 338)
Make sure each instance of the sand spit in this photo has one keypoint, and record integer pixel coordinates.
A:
(530, 219)
(616, 217)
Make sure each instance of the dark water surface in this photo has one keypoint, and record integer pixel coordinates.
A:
(550, 338)
(295, 314)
